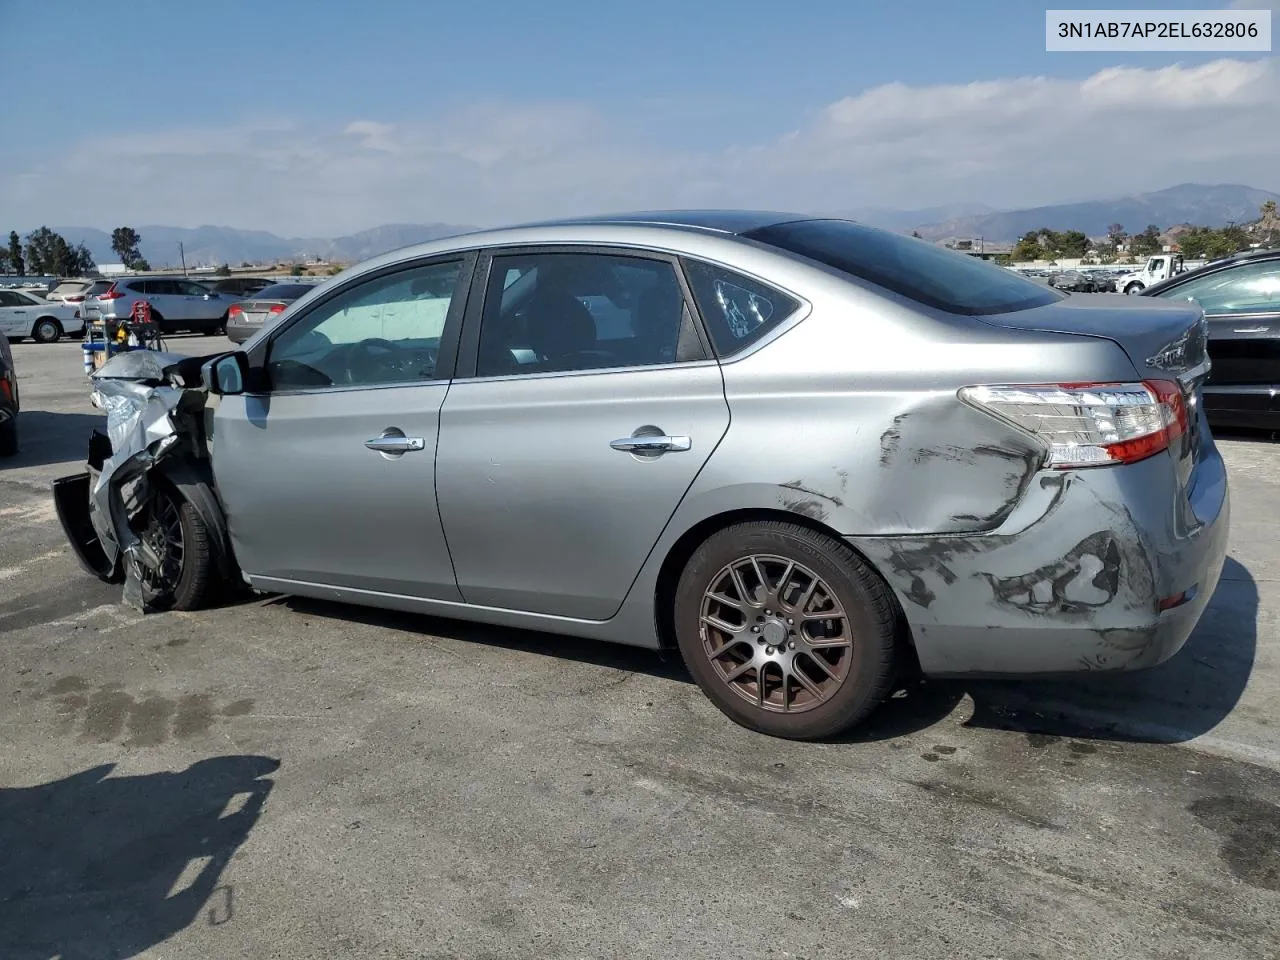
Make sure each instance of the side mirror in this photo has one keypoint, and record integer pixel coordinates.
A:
(227, 375)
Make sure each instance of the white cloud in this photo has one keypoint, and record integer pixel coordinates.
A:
(1007, 142)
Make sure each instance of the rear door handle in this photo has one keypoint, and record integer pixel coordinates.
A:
(395, 443)
(652, 444)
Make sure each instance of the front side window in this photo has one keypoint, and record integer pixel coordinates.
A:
(381, 331)
(922, 272)
(10, 299)
(737, 310)
(1248, 288)
(559, 312)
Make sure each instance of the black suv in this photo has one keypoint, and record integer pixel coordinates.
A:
(8, 401)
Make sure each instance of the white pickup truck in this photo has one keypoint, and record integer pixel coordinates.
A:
(1160, 267)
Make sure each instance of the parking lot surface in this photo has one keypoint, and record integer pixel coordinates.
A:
(291, 778)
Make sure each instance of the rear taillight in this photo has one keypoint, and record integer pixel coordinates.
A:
(234, 311)
(111, 294)
(277, 308)
(1090, 424)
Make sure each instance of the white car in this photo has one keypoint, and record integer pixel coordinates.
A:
(23, 315)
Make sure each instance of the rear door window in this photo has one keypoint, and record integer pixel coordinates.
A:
(1248, 288)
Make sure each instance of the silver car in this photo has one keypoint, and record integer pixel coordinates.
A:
(808, 454)
(177, 304)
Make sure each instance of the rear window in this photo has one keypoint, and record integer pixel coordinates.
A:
(284, 291)
(913, 268)
(737, 310)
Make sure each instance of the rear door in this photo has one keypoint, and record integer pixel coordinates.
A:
(328, 470)
(585, 406)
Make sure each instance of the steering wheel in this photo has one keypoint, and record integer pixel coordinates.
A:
(366, 359)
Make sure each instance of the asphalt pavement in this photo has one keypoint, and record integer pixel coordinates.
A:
(293, 779)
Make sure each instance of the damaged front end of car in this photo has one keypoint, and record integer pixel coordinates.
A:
(153, 457)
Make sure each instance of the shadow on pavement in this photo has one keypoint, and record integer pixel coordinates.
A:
(97, 867)
(45, 437)
(1182, 698)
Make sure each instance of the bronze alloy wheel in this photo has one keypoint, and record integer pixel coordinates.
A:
(776, 634)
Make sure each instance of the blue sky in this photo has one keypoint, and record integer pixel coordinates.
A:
(327, 116)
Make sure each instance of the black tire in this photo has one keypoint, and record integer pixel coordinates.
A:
(217, 329)
(46, 330)
(868, 615)
(8, 438)
(1133, 289)
(194, 585)
(159, 321)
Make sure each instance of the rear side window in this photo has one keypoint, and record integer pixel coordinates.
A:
(913, 268)
(737, 310)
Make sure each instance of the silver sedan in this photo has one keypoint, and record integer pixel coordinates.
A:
(812, 456)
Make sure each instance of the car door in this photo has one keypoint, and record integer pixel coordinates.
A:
(1242, 305)
(327, 469)
(588, 407)
(16, 317)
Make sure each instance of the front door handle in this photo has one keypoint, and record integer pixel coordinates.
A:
(657, 444)
(393, 443)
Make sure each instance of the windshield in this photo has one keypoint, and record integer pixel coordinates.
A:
(913, 268)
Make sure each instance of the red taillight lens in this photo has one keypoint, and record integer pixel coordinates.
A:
(111, 294)
(1090, 424)
(277, 308)
(234, 311)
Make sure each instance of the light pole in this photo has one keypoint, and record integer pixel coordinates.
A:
(183, 254)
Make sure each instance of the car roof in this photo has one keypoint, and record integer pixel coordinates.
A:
(717, 221)
(1214, 266)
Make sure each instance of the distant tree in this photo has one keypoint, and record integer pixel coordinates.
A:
(140, 264)
(4, 260)
(46, 252)
(16, 261)
(1268, 210)
(296, 270)
(1217, 245)
(125, 241)
(81, 260)
(1195, 242)
(335, 270)
(916, 234)
(245, 263)
(1235, 238)
(1027, 248)
(1116, 234)
(1072, 243)
(1147, 242)
(223, 271)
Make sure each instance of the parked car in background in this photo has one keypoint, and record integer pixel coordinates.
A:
(246, 318)
(77, 291)
(177, 304)
(23, 315)
(1074, 281)
(8, 401)
(1241, 298)
(239, 286)
(806, 453)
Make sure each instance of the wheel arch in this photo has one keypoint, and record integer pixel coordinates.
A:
(683, 548)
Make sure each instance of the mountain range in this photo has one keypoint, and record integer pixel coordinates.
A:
(1209, 205)
(1212, 205)
(210, 246)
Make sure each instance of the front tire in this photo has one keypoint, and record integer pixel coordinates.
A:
(786, 630)
(8, 438)
(174, 529)
(46, 330)
(1133, 288)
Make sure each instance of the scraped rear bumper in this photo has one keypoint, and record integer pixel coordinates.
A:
(1105, 569)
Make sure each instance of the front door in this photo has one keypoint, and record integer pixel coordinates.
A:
(17, 314)
(591, 412)
(328, 473)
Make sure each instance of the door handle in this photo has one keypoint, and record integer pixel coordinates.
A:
(393, 443)
(658, 444)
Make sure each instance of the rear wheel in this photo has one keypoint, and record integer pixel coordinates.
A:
(8, 438)
(175, 532)
(46, 330)
(786, 630)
